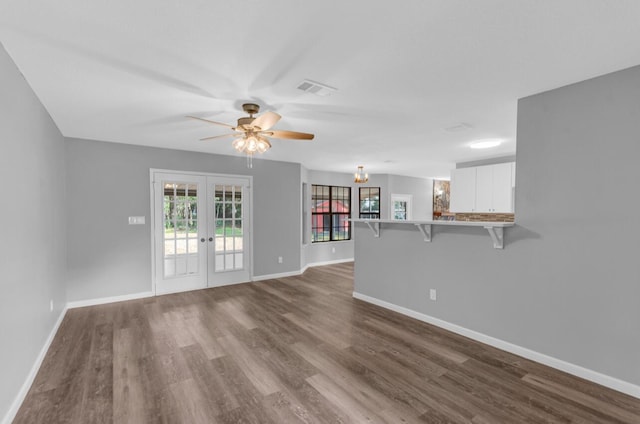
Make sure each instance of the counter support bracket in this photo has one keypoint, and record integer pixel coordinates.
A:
(375, 228)
(497, 235)
(425, 229)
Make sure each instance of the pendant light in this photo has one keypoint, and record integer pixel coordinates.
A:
(360, 176)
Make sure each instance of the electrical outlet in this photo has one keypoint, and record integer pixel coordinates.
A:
(333, 250)
(432, 294)
(51, 305)
(279, 259)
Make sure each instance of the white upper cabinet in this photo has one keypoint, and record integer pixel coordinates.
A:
(501, 188)
(462, 195)
(484, 189)
(487, 189)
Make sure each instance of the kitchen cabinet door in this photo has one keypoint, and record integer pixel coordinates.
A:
(463, 190)
(484, 189)
(502, 188)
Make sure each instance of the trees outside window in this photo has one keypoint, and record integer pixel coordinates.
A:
(369, 202)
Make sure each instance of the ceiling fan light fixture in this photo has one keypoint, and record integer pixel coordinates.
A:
(251, 144)
(252, 132)
(239, 144)
(263, 145)
(360, 176)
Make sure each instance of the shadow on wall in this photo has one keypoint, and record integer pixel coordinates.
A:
(519, 233)
(514, 234)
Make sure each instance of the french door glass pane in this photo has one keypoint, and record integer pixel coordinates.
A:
(180, 238)
(228, 228)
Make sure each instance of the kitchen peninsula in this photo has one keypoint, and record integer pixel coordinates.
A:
(495, 229)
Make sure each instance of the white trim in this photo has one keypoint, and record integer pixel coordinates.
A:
(196, 173)
(26, 386)
(300, 271)
(152, 223)
(323, 263)
(279, 275)
(397, 197)
(112, 299)
(594, 376)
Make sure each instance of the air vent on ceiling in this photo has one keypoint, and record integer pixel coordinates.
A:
(463, 126)
(316, 88)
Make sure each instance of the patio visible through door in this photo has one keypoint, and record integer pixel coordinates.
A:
(201, 230)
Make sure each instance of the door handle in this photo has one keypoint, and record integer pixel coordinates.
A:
(202, 239)
(210, 239)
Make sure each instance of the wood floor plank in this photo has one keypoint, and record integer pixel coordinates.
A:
(325, 334)
(342, 400)
(128, 392)
(402, 335)
(235, 309)
(210, 383)
(355, 384)
(254, 369)
(97, 394)
(203, 338)
(596, 405)
(293, 350)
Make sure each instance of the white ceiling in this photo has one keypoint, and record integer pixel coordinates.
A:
(129, 71)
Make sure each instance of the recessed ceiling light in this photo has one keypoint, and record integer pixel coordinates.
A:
(485, 144)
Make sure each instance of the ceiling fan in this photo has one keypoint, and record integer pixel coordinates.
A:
(252, 132)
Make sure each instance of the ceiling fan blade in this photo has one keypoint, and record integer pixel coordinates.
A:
(219, 136)
(288, 134)
(266, 120)
(212, 122)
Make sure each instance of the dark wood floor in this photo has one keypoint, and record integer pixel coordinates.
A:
(293, 350)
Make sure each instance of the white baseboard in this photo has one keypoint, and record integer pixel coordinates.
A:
(298, 272)
(22, 394)
(112, 299)
(272, 276)
(323, 263)
(594, 376)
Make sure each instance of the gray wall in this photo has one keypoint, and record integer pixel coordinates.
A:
(421, 190)
(32, 218)
(107, 182)
(567, 283)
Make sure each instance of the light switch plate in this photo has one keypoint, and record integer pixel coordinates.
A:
(136, 220)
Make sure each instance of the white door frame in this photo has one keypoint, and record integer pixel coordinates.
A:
(152, 224)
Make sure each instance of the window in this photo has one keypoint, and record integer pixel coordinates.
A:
(401, 207)
(330, 213)
(370, 202)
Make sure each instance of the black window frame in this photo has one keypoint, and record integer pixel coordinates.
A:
(331, 215)
(368, 214)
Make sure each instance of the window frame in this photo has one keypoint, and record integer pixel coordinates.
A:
(369, 212)
(330, 214)
(407, 199)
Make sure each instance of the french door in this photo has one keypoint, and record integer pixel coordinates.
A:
(202, 234)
